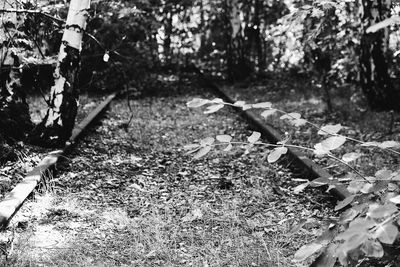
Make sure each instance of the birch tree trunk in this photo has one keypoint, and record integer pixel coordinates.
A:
(374, 76)
(15, 120)
(56, 127)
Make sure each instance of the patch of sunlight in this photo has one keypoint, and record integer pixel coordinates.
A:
(41, 205)
(69, 204)
(46, 236)
(313, 100)
(316, 102)
(116, 218)
(168, 78)
(74, 206)
(39, 246)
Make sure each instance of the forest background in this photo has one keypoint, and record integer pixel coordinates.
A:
(127, 42)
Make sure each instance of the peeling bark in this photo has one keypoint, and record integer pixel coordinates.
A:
(56, 127)
(374, 75)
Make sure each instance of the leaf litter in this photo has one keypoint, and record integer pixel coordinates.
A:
(132, 197)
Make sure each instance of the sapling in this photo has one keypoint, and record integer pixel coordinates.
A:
(368, 226)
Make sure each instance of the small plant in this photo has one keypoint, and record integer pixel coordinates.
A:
(369, 227)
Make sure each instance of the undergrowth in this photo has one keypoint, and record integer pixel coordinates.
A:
(369, 224)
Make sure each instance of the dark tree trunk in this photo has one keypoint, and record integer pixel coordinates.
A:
(257, 37)
(168, 33)
(15, 121)
(228, 41)
(374, 76)
(203, 28)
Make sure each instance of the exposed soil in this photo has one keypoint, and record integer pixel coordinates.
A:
(128, 195)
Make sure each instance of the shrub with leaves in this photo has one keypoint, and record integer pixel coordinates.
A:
(121, 50)
(369, 226)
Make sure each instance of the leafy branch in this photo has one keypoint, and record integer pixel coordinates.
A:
(297, 120)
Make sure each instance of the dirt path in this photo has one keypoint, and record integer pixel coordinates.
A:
(129, 196)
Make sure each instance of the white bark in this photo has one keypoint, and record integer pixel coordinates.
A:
(72, 37)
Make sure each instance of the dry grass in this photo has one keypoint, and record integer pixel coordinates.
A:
(63, 232)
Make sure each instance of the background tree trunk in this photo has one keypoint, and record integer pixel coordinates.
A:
(257, 35)
(168, 33)
(15, 120)
(374, 76)
(228, 40)
(57, 125)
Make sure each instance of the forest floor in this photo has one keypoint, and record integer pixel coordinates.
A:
(128, 195)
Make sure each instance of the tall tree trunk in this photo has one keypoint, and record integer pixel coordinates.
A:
(168, 32)
(374, 76)
(257, 36)
(56, 127)
(228, 40)
(15, 120)
(202, 27)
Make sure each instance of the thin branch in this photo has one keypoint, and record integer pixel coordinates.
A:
(320, 128)
(298, 147)
(349, 166)
(91, 36)
(392, 218)
(37, 45)
(30, 11)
